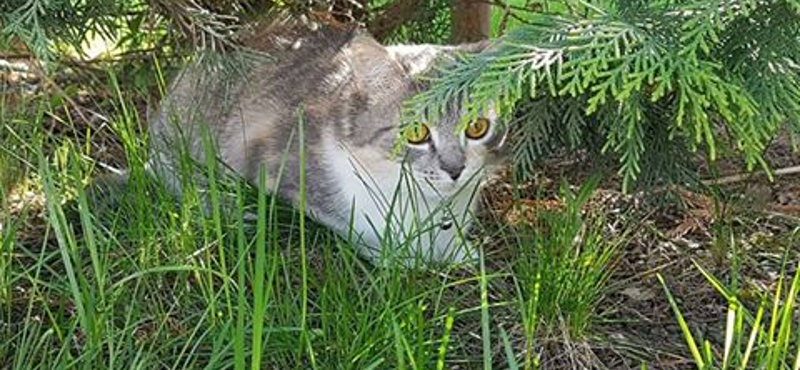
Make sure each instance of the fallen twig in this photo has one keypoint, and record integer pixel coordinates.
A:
(745, 176)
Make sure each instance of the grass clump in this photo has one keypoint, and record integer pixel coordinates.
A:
(565, 259)
(767, 340)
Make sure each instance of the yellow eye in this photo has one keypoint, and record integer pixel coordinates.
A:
(417, 134)
(477, 128)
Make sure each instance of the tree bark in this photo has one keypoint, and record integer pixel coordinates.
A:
(471, 21)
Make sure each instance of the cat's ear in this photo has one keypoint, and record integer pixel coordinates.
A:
(371, 63)
(374, 70)
(416, 59)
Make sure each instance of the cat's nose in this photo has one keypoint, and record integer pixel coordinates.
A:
(454, 171)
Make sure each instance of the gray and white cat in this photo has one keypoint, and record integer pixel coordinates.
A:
(349, 90)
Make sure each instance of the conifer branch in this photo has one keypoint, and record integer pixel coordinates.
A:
(700, 68)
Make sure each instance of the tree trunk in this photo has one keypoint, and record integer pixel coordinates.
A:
(471, 20)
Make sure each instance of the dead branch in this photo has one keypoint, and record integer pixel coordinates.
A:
(746, 176)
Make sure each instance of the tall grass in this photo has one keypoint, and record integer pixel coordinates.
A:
(565, 259)
(131, 277)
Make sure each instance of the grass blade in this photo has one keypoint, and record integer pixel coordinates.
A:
(303, 257)
(511, 360)
(781, 350)
(259, 305)
(730, 330)
(754, 331)
(399, 346)
(67, 247)
(241, 302)
(448, 327)
(698, 358)
(216, 213)
(485, 332)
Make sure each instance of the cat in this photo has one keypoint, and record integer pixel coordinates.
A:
(347, 91)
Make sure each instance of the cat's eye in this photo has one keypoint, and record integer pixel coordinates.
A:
(477, 129)
(417, 134)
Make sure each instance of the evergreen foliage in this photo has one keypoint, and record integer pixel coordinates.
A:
(430, 25)
(45, 27)
(654, 79)
(645, 82)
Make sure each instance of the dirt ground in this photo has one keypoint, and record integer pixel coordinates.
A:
(750, 220)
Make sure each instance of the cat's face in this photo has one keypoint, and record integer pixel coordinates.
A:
(445, 155)
(448, 154)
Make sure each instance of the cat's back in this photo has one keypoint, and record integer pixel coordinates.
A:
(282, 61)
(247, 102)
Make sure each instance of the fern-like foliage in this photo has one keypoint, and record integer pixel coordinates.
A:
(45, 27)
(36, 23)
(431, 25)
(653, 78)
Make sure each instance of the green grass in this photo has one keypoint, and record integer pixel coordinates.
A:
(564, 264)
(125, 278)
(767, 340)
(129, 277)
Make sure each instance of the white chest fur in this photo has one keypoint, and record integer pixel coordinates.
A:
(391, 213)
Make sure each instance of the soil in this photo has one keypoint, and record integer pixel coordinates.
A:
(751, 220)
